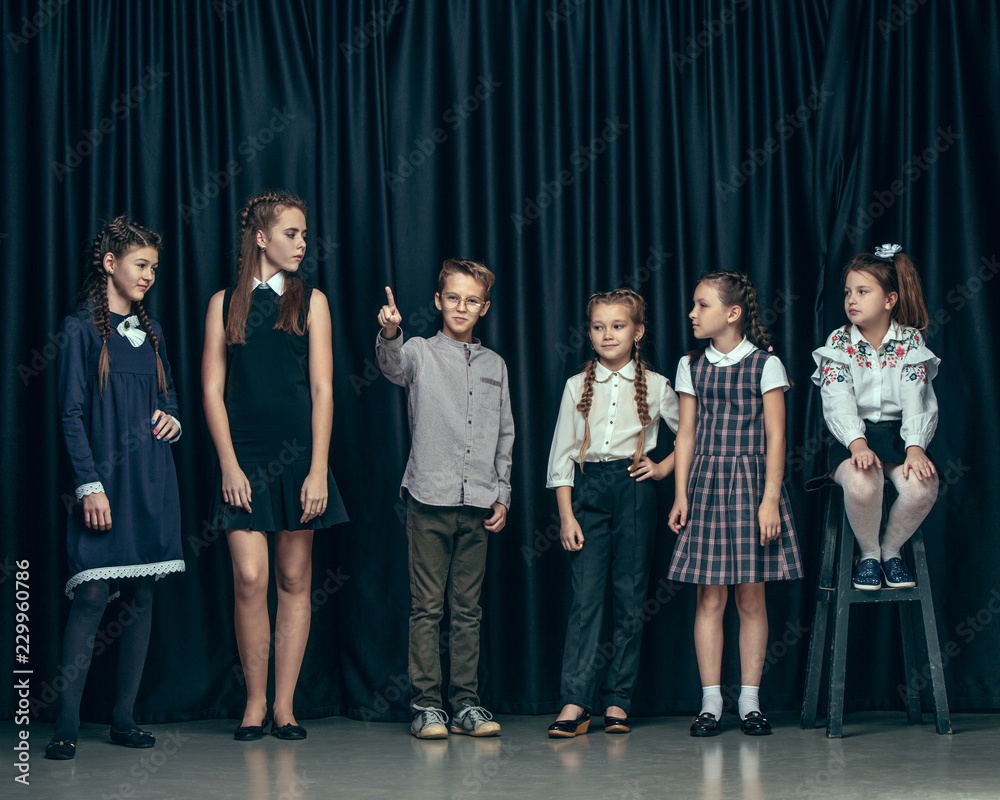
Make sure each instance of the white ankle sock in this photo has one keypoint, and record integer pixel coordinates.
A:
(711, 701)
(749, 700)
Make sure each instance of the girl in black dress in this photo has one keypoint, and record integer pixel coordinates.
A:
(267, 377)
(119, 415)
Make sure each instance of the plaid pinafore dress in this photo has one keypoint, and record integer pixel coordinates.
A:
(720, 544)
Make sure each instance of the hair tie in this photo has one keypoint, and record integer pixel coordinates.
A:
(887, 250)
(770, 348)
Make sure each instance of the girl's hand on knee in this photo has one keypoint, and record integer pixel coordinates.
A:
(678, 515)
(97, 511)
(571, 535)
(236, 488)
(769, 518)
(314, 496)
(862, 456)
(919, 463)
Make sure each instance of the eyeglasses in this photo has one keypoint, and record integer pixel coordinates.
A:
(451, 301)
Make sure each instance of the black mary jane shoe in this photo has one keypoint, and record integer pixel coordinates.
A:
(61, 750)
(133, 737)
(706, 725)
(617, 724)
(568, 728)
(754, 724)
(288, 731)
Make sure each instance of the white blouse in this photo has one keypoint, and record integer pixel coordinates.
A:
(892, 382)
(614, 421)
(773, 376)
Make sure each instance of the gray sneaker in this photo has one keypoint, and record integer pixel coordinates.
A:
(429, 723)
(475, 721)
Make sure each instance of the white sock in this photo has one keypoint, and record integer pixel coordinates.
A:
(711, 701)
(749, 700)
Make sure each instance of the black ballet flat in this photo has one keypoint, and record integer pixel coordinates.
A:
(289, 731)
(62, 750)
(754, 724)
(706, 725)
(252, 733)
(568, 728)
(617, 724)
(133, 737)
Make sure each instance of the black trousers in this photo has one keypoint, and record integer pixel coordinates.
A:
(617, 516)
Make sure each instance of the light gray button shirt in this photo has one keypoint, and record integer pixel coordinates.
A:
(461, 425)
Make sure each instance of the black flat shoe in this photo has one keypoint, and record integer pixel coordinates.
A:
(706, 725)
(249, 733)
(288, 731)
(568, 728)
(133, 737)
(754, 724)
(62, 750)
(617, 724)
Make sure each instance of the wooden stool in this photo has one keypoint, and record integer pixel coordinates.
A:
(836, 595)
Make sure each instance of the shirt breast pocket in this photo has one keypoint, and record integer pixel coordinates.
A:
(490, 394)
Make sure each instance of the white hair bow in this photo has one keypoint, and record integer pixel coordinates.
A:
(132, 330)
(887, 250)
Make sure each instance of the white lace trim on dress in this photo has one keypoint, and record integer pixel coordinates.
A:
(159, 569)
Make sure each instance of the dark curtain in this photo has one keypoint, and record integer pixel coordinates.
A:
(573, 146)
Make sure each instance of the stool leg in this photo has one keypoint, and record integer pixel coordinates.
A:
(838, 643)
(909, 663)
(818, 637)
(942, 716)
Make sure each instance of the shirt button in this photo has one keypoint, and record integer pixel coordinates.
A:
(611, 422)
(470, 421)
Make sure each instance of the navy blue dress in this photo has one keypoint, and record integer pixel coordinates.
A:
(109, 439)
(268, 399)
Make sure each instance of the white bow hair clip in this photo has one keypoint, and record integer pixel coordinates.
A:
(887, 250)
(132, 330)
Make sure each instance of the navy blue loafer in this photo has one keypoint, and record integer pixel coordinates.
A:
(867, 575)
(897, 576)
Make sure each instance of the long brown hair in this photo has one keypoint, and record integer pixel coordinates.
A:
(736, 289)
(637, 312)
(261, 212)
(895, 274)
(119, 237)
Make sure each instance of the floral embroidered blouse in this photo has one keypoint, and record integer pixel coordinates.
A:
(860, 383)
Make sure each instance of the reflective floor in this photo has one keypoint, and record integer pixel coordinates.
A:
(879, 757)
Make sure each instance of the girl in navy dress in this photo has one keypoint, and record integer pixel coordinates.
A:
(731, 508)
(599, 466)
(875, 376)
(119, 416)
(267, 377)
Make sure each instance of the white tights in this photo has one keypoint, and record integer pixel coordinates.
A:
(863, 496)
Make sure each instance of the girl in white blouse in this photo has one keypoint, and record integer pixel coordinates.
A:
(599, 466)
(875, 377)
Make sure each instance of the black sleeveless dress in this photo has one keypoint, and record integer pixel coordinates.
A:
(269, 403)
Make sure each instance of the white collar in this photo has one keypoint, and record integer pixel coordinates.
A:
(892, 334)
(602, 373)
(738, 353)
(276, 282)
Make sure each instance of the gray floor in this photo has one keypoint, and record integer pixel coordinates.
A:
(879, 757)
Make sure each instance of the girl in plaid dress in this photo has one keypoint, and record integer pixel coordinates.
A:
(731, 510)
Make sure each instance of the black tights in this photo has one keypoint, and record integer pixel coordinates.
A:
(130, 626)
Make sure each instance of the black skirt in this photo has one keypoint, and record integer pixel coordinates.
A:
(884, 439)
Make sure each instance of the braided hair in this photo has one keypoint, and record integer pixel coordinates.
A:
(736, 289)
(260, 213)
(897, 274)
(637, 312)
(117, 237)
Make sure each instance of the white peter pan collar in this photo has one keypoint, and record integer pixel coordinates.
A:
(276, 282)
(602, 373)
(734, 356)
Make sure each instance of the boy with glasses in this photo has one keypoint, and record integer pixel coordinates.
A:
(456, 487)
